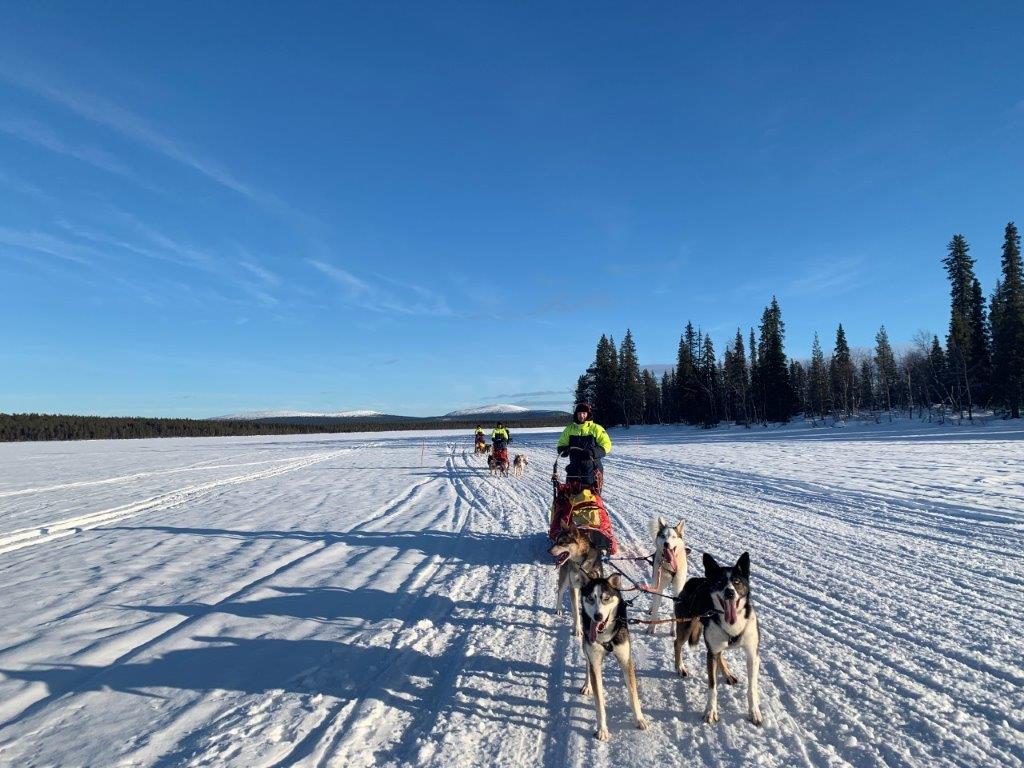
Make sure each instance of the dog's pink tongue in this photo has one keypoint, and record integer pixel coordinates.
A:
(592, 634)
(730, 611)
(670, 553)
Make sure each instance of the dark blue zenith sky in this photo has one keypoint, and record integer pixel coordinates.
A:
(208, 208)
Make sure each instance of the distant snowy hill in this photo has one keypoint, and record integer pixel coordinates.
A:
(255, 415)
(488, 410)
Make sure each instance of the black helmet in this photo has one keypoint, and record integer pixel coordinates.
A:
(582, 407)
(499, 424)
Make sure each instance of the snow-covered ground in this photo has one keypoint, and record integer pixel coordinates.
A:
(361, 600)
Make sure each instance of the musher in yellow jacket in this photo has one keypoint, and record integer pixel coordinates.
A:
(583, 426)
(500, 432)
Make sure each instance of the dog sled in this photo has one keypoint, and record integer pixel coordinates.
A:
(480, 447)
(498, 459)
(577, 502)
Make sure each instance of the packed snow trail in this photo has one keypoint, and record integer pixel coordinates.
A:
(336, 601)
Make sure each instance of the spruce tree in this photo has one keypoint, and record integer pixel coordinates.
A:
(866, 385)
(1008, 325)
(841, 373)
(756, 389)
(631, 388)
(710, 383)
(774, 369)
(738, 381)
(585, 387)
(885, 365)
(798, 379)
(687, 382)
(652, 399)
(818, 382)
(979, 355)
(606, 383)
(668, 398)
(937, 367)
(960, 348)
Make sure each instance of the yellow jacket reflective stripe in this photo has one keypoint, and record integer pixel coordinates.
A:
(586, 428)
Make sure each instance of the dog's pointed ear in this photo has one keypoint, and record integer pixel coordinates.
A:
(743, 565)
(662, 522)
(613, 581)
(681, 528)
(711, 566)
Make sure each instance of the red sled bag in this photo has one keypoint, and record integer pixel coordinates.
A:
(575, 506)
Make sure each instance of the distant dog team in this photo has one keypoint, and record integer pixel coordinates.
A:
(497, 466)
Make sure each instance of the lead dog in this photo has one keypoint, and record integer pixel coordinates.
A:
(605, 628)
(669, 563)
(720, 604)
(575, 558)
(519, 464)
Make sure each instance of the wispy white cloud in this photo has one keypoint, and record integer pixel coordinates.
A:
(132, 126)
(36, 133)
(406, 300)
(45, 243)
(158, 247)
(831, 277)
(103, 239)
(127, 123)
(261, 272)
(23, 187)
(530, 395)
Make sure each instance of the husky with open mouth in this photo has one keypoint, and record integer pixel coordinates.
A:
(575, 558)
(719, 605)
(669, 563)
(605, 629)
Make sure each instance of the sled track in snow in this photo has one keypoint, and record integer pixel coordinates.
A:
(48, 532)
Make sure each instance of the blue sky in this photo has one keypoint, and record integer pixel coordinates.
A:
(418, 207)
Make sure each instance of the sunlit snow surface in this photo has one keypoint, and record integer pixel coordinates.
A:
(362, 600)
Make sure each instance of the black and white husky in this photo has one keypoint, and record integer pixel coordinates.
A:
(720, 604)
(669, 562)
(605, 629)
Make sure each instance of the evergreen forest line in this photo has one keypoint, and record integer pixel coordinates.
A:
(980, 366)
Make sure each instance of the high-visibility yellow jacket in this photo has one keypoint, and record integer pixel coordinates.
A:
(502, 433)
(586, 428)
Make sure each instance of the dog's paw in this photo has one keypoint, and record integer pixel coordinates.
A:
(559, 611)
(651, 629)
(682, 672)
(578, 633)
(711, 715)
(585, 688)
(641, 723)
(731, 679)
(755, 716)
(601, 735)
